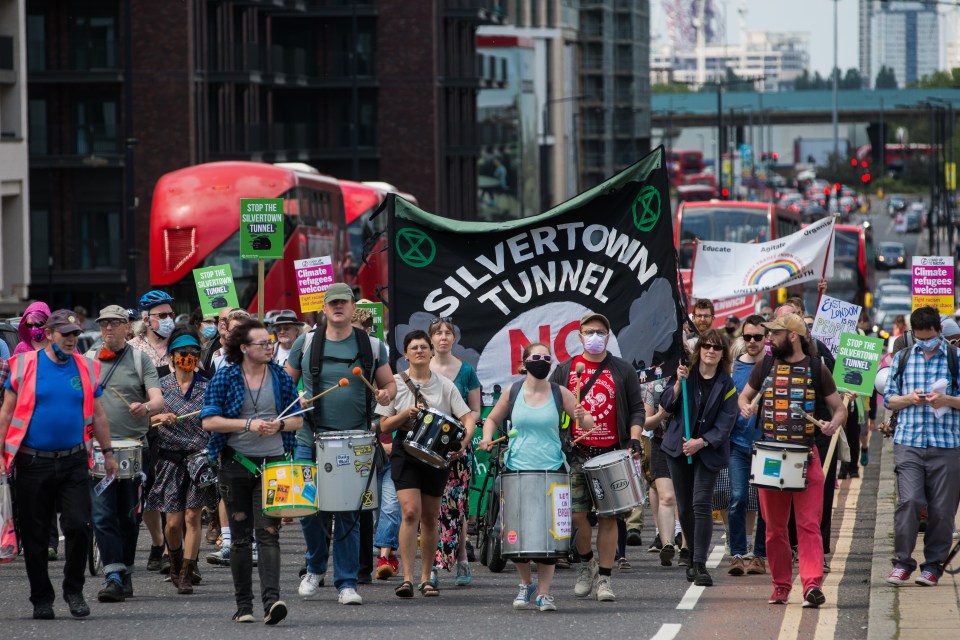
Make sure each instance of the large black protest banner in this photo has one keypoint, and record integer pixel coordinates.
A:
(505, 285)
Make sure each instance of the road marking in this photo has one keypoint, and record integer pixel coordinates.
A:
(827, 621)
(689, 600)
(667, 631)
(827, 616)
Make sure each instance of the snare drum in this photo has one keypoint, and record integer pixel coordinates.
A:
(536, 514)
(127, 453)
(779, 465)
(348, 478)
(434, 436)
(199, 469)
(289, 488)
(614, 483)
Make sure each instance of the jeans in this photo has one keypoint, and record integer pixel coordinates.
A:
(346, 539)
(807, 509)
(242, 494)
(693, 485)
(39, 484)
(388, 520)
(115, 523)
(739, 469)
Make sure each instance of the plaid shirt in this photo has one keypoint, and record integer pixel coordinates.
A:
(224, 397)
(918, 426)
(4, 372)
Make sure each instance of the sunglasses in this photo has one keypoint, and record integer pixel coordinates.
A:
(533, 357)
(444, 319)
(709, 346)
(162, 316)
(754, 337)
(188, 352)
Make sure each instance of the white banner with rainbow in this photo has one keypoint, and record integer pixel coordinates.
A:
(732, 269)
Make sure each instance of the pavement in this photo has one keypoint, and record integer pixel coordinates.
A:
(910, 612)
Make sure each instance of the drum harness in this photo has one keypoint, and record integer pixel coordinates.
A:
(579, 450)
(365, 356)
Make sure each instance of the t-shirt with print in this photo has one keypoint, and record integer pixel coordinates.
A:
(650, 393)
(439, 393)
(57, 420)
(126, 382)
(600, 401)
(345, 408)
(792, 382)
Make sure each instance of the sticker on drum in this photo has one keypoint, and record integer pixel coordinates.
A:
(343, 460)
(309, 493)
(512, 537)
(771, 467)
(597, 489)
(363, 449)
(428, 418)
(446, 427)
(366, 499)
(328, 467)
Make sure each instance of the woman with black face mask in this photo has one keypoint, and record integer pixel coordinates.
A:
(536, 446)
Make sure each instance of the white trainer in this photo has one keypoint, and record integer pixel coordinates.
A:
(349, 595)
(310, 586)
(586, 578)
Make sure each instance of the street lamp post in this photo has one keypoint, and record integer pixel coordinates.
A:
(836, 79)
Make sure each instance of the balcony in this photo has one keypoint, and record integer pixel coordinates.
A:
(92, 146)
(93, 61)
(291, 140)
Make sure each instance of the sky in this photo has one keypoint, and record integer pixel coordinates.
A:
(812, 16)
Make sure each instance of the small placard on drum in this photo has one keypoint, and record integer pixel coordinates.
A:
(771, 467)
(562, 525)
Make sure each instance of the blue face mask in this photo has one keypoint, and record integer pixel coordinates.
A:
(209, 331)
(929, 344)
(61, 356)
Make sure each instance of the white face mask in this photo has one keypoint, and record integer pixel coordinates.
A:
(166, 327)
(594, 344)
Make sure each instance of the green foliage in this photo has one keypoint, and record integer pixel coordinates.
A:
(939, 80)
(886, 78)
(669, 87)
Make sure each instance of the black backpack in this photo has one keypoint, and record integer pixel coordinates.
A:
(364, 356)
(953, 364)
(557, 399)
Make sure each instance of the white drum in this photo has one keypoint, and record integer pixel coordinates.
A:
(614, 483)
(536, 514)
(127, 453)
(346, 475)
(779, 465)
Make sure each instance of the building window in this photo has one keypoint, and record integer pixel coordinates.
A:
(93, 37)
(39, 238)
(36, 43)
(99, 239)
(37, 124)
(97, 127)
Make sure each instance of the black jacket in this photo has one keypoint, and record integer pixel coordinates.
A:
(628, 399)
(719, 416)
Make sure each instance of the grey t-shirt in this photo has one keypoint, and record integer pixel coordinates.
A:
(258, 403)
(126, 381)
(345, 408)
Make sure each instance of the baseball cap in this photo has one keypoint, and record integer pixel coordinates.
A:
(63, 320)
(339, 291)
(733, 319)
(113, 312)
(595, 316)
(287, 316)
(789, 322)
(949, 327)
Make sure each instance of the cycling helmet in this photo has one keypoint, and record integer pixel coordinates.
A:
(153, 299)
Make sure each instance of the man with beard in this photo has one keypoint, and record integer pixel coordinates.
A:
(796, 375)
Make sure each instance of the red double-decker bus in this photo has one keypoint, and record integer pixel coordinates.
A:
(195, 222)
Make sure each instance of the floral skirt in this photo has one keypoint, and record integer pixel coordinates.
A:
(453, 512)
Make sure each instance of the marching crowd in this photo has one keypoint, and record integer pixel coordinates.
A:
(159, 424)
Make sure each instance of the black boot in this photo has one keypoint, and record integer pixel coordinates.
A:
(691, 573)
(702, 578)
(153, 560)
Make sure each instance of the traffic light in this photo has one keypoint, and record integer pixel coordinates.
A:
(826, 191)
(863, 164)
(865, 178)
(836, 188)
(853, 162)
(774, 156)
(724, 193)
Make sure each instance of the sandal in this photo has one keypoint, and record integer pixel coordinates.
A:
(428, 590)
(405, 590)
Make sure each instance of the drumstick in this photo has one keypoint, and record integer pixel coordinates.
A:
(357, 371)
(295, 400)
(342, 383)
(188, 415)
(584, 435)
(799, 409)
(510, 434)
(120, 395)
(580, 369)
(296, 413)
(763, 389)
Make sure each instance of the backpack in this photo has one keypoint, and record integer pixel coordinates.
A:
(557, 399)
(365, 345)
(953, 364)
(137, 363)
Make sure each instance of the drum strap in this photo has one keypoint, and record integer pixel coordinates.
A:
(414, 390)
(246, 462)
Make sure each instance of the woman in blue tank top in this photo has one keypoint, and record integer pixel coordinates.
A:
(535, 447)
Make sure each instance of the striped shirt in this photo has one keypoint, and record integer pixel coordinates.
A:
(918, 425)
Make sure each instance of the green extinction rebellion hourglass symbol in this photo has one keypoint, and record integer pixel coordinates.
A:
(646, 208)
(415, 247)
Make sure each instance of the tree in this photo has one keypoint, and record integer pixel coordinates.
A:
(886, 78)
(669, 87)
(852, 79)
(938, 80)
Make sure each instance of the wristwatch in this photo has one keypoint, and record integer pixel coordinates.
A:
(283, 425)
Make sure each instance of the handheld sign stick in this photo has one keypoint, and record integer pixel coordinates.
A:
(510, 434)
(357, 371)
(580, 370)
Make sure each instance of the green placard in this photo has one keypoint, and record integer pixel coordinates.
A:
(858, 360)
(377, 309)
(216, 289)
(261, 228)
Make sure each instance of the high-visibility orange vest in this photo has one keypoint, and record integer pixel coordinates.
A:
(23, 379)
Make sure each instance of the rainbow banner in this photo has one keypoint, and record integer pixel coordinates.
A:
(731, 269)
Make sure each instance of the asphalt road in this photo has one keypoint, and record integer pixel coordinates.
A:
(653, 601)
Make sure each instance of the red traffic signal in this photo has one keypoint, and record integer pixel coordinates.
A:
(725, 192)
(826, 191)
(853, 162)
(836, 187)
(864, 164)
(775, 156)
(865, 178)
